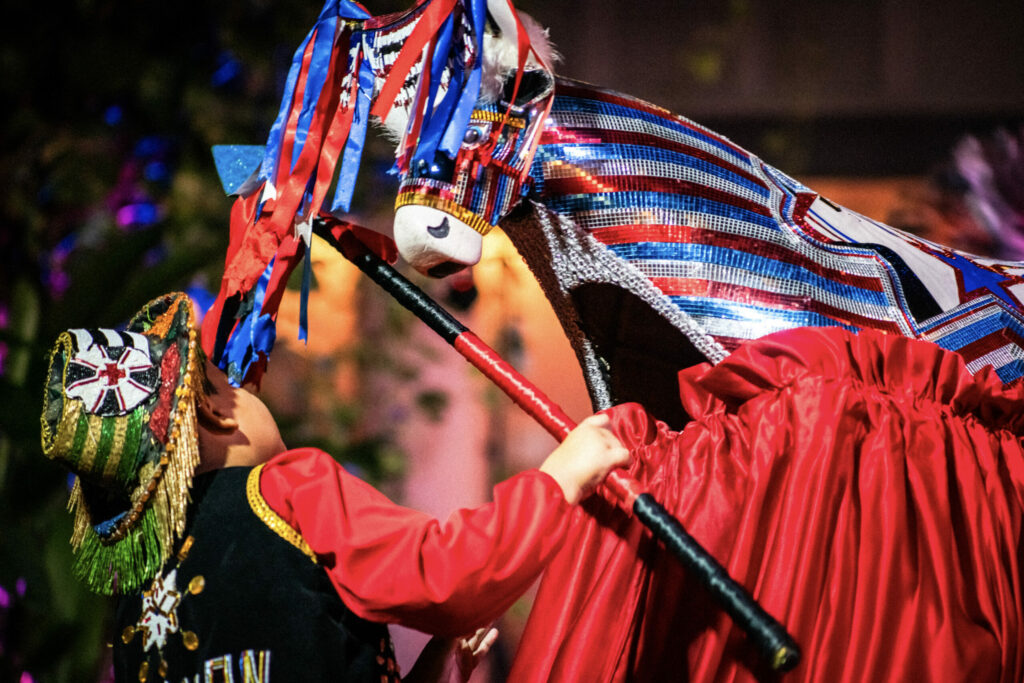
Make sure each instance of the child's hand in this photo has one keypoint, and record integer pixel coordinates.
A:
(471, 649)
(583, 460)
(451, 660)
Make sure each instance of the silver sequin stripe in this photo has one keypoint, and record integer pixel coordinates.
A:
(741, 277)
(569, 168)
(972, 315)
(864, 265)
(998, 358)
(564, 119)
(743, 329)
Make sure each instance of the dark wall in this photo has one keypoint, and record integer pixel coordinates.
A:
(865, 88)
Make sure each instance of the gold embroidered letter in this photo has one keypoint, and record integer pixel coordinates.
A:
(222, 664)
(255, 667)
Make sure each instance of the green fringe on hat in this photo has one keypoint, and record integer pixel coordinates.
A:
(121, 567)
(122, 456)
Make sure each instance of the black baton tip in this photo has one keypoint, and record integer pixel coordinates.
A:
(786, 657)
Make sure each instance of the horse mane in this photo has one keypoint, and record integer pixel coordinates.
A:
(501, 56)
(501, 60)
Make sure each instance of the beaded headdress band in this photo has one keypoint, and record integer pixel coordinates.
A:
(120, 412)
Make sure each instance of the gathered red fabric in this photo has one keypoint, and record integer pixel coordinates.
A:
(866, 489)
(392, 564)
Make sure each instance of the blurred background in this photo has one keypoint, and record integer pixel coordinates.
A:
(909, 111)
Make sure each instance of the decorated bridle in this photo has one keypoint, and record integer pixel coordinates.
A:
(491, 168)
(351, 68)
(468, 159)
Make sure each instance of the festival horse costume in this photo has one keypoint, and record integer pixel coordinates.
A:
(288, 568)
(831, 406)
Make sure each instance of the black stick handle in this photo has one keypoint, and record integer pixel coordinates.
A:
(768, 635)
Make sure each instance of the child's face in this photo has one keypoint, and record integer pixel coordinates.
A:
(257, 430)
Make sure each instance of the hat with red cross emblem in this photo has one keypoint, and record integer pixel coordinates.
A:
(119, 411)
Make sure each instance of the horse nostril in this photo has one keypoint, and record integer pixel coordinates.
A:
(445, 269)
(439, 231)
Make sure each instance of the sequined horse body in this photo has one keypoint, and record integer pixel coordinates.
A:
(724, 248)
(660, 243)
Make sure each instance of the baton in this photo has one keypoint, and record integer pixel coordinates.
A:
(768, 635)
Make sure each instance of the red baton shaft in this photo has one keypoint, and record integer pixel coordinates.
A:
(527, 396)
(767, 634)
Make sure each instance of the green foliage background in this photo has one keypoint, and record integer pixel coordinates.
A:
(67, 67)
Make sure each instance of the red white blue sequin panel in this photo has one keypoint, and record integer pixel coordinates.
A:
(745, 251)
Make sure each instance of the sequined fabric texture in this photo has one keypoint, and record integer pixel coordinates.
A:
(740, 249)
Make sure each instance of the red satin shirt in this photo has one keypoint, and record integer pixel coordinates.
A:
(397, 565)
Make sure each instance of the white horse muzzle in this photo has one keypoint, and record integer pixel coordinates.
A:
(434, 242)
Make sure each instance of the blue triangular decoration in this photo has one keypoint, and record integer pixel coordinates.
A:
(237, 166)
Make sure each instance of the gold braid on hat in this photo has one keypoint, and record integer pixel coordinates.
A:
(134, 546)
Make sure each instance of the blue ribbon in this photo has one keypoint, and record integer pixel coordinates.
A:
(253, 336)
(319, 63)
(273, 149)
(435, 117)
(353, 154)
(444, 126)
(323, 34)
(456, 131)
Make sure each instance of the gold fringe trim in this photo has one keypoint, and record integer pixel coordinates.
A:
(185, 438)
(166, 495)
(76, 504)
(62, 440)
(273, 520)
(496, 117)
(449, 207)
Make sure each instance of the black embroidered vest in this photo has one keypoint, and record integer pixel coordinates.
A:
(243, 602)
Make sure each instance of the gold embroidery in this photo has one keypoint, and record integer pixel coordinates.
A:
(62, 440)
(495, 117)
(114, 456)
(92, 442)
(271, 518)
(197, 584)
(471, 219)
(162, 324)
(255, 667)
(190, 640)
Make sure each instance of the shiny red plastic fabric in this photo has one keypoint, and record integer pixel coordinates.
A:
(392, 564)
(865, 488)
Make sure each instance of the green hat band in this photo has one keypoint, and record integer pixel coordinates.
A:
(120, 412)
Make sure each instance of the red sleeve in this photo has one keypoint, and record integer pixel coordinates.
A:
(397, 565)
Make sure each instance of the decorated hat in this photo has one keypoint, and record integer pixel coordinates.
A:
(119, 411)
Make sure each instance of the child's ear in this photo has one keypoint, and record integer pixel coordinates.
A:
(214, 417)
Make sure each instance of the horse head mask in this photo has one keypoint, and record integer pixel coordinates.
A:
(659, 243)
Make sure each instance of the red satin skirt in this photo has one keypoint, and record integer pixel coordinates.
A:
(866, 489)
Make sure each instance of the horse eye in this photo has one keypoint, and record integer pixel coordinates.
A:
(472, 136)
